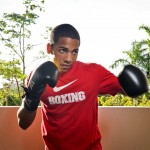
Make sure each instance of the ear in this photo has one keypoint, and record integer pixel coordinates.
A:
(49, 49)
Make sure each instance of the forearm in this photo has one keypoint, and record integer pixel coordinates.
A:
(45, 74)
(25, 118)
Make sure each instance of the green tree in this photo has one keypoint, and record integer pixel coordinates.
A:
(15, 35)
(15, 30)
(121, 100)
(10, 70)
(146, 49)
(138, 55)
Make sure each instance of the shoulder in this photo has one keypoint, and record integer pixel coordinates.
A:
(91, 66)
(79, 63)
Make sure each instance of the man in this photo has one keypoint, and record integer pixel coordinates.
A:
(69, 109)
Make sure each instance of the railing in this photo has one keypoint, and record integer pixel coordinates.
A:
(122, 128)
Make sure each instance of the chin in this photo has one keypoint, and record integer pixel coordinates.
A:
(64, 70)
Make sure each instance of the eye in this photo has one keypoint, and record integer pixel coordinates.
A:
(62, 50)
(75, 52)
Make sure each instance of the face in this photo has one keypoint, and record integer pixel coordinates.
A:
(65, 53)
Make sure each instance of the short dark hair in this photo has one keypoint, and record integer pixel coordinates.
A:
(63, 30)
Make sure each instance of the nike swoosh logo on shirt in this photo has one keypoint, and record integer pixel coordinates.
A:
(57, 89)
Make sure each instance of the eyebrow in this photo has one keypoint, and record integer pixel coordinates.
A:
(63, 47)
(77, 49)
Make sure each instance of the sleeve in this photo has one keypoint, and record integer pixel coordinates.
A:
(107, 81)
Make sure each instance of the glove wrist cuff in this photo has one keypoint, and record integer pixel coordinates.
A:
(31, 105)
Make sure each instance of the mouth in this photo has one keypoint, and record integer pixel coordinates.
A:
(65, 67)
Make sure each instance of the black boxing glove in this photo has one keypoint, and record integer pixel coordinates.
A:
(46, 73)
(133, 81)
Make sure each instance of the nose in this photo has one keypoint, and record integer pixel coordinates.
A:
(68, 58)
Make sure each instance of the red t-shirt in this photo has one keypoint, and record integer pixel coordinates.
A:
(70, 110)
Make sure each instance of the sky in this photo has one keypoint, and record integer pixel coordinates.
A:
(106, 27)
